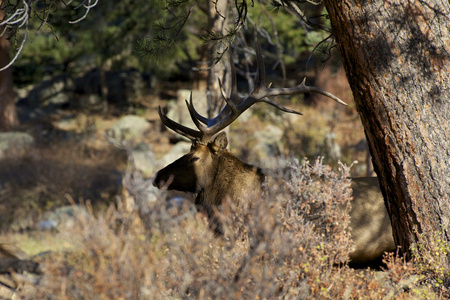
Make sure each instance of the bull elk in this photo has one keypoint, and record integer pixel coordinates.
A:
(212, 173)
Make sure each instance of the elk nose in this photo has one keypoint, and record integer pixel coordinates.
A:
(157, 181)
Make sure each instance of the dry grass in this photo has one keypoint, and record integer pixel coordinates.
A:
(42, 178)
(292, 243)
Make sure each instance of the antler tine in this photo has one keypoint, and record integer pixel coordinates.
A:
(299, 89)
(198, 116)
(191, 134)
(235, 100)
(192, 112)
(222, 91)
(216, 125)
(260, 94)
(280, 107)
(262, 91)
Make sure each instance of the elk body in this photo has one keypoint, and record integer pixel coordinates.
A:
(214, 174)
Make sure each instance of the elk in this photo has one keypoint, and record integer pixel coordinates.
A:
(209, 171)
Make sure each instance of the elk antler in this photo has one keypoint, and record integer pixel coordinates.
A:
(235, 105)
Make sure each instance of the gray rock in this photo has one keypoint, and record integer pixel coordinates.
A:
(46, 225)
(128, 127)
(138, 192)
(62, 217)
(268, 145)
(56, 91)
(89, 101)
(143, 159)
(178, 150)
(123, 86)
(14, 141)
(331, 147)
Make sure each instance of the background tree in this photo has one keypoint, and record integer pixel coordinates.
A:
(216, 25)
(16, 15)
(397, 55)
(8, 114)
(52, 37)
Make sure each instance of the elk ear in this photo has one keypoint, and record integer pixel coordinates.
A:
(220, 143)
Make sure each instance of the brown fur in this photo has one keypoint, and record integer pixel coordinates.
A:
(212, 173)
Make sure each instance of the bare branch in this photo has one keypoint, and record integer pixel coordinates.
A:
(18, 19)
(16, 56)
(87, 7)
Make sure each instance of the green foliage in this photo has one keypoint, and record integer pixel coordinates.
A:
(171, 40)
(106, 38)
(187, 21)
(152, 36)
(291, 34)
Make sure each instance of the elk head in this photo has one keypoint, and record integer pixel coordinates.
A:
(208, 167)
(190, 172)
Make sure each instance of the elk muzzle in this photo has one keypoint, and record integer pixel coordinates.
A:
(179, 175)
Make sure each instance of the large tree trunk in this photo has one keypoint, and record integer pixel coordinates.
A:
(396, 55)
(8, 114)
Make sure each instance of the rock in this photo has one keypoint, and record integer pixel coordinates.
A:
(128, 127)
(331, 147)
(267, 146)
(89, 101)
(137, 192)
(123, 86)
(46, 225)
(54, 92)
(143, 159)
(67, 123)
(178, 150)
(14, 141)
(62, 217)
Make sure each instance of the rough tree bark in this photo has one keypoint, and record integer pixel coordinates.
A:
(396, 54)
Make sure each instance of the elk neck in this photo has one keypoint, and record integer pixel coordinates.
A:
(231, 178)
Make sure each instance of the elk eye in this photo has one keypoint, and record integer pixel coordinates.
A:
(194, 159)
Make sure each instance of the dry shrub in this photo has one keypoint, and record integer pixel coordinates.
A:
(292, 243)
(431, 256)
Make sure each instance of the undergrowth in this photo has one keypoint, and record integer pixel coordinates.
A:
(291, 243)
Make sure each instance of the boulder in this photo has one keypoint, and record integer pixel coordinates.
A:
(56, 92)
(15, 141)
(178, 150)
(123, 86)
(267, 147)
(128, 127)
(143, 159)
